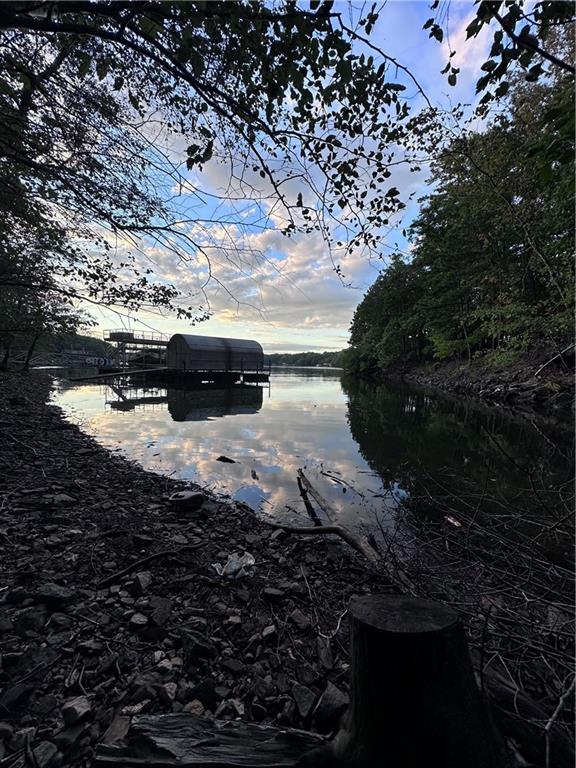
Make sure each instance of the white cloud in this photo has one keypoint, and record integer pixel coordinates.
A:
(470, 53)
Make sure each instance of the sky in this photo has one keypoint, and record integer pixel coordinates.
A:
(285, 292)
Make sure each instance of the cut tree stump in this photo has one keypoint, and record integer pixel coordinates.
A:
(186, 740)
(415, 702)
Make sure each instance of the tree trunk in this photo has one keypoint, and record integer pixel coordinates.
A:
(30, 352)
(6, 358)
(415, 701)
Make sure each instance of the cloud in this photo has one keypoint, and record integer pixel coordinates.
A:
(470, 53)
(284, 291)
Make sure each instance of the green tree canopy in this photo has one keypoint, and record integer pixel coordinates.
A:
(492, 268)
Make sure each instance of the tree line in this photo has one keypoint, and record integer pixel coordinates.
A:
(490, 272)
(306, 359)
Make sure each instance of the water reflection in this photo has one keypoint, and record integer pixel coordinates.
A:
(365, 447)
(187, 404)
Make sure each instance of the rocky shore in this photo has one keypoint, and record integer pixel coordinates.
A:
(115, 600)
(515, 385)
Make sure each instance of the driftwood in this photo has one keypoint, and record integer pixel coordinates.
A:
(189, 741)
(309, 508)
(359, 543)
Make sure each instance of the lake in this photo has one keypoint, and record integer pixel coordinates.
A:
(366, 447)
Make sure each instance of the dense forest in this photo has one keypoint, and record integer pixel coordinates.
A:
(490, 271)
(322, 359)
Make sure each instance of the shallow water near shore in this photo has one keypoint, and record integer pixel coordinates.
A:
(365, 447)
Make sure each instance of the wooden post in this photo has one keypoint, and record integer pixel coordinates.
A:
(415, 702)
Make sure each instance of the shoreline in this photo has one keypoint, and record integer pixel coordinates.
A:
(84, 649)
(515, 386)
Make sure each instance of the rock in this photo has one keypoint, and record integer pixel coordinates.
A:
(53, 595)
(75, 710)
(271, 593)
(188, 501)
(329, 709)
(237, 706)
(268, 631)
(90, 647)
(31, 620)
(205, 692)
(306, 674)
(60, 620)
(262, 687)
(135, 709)
(160, 608)
(60, 499)
(226, 460)
(45, 754)
(6, 625)
(15, 697)
(69, 737)
(44, 705)
(168, 692)
(196, 647)
(117, 729)
(16, 596)
(140, 583)
(325, 656)
(138, 621)
(304, 699)
(282, 683)
(300, 619)
(195, 707)
(233, 665)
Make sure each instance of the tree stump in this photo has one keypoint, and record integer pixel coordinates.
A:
(415, 702)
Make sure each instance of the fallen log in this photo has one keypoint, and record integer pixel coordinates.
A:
(359, 543)
(189, 741)
(309, 508)
(337, 530)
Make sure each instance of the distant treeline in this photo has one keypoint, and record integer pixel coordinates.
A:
(307, 359)
(491, 271)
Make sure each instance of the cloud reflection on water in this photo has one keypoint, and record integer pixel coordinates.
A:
(301, 422)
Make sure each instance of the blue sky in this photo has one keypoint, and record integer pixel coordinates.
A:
(284, 292)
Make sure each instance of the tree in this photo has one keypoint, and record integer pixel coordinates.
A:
(493, 244)
(304, 123)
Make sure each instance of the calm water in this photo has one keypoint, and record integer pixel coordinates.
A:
(365, 447)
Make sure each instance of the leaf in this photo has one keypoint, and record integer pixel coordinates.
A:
(84, 67)
(437, 33)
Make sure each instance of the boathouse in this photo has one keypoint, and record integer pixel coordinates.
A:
(210, 353)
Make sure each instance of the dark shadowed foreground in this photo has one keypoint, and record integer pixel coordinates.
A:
(115, 603)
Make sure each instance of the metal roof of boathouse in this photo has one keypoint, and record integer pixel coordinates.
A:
(190, 352)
